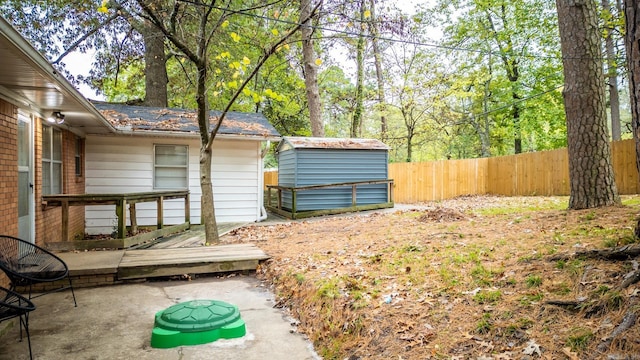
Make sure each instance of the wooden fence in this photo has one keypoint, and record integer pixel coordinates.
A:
(538, 173)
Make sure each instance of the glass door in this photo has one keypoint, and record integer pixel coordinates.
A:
(25, 178)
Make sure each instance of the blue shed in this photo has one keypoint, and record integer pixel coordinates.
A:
(333, 174)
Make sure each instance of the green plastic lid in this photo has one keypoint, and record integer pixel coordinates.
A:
(196, 322)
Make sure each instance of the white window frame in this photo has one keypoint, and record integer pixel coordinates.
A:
(52, 134)
(183, 167)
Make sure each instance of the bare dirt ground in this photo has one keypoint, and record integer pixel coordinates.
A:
(468, 278)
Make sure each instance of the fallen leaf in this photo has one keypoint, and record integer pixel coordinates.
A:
(532, 348)
(570, 354)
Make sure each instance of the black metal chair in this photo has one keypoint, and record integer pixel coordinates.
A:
(27, 264)
(14, 305)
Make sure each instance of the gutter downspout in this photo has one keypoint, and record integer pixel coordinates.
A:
(263, 210)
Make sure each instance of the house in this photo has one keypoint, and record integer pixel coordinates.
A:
(159, 149)
(39, 153)
(55, 141)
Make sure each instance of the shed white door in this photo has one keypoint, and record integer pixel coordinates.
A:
(25, 182)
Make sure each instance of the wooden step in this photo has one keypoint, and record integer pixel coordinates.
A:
(137, 264)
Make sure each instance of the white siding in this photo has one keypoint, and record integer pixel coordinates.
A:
(125, 164)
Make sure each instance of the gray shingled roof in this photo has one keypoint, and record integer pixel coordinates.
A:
(144, 118)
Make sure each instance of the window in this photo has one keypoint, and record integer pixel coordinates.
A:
(78, 157)
(171, 165)
(51, 160)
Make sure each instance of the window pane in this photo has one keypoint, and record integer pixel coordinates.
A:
(171, 178)
(23, 143)
(56, 181)
(46, 178)
(57, 145)
(23, 194)
(171, 155)
(46, 142)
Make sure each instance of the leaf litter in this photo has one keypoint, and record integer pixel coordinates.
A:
(466, 278)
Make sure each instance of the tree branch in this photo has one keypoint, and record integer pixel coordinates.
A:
(261, 62)
(619, 253)
(85, 37)
(171, 36)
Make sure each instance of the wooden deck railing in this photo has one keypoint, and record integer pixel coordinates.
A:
(295, 214)
(120, 201)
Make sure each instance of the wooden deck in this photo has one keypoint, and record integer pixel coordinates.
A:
(137, 264)
(175, 255)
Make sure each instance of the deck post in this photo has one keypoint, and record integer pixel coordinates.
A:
(133, 218)
(293, 203)
(279, 198)
(160, 212)
(65, 221)
(354, 191)
(187, 210)
(121, 213)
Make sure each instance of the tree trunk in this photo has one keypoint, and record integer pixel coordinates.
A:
(612, 73)
(632, 43)
(591, 177)
(155, 66)
(517, 128)
(511, 66)
(484, 129)
(207, 209)
(310, 72)
(378, 63)
(356, 125)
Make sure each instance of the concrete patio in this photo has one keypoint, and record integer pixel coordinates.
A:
(115, 322)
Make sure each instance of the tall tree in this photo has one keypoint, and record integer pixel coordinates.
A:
(356, 124)
(519, 41)
(155, 67)
(377, 59)
(310, 71)
(612, 69)
(632, 44)
(193, 39)
(500, 19)
(592, 182)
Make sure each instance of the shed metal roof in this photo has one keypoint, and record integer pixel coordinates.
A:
(158, 119)
(333, 143)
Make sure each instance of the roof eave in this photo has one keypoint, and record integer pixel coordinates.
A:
(189, 135)
(42, 65)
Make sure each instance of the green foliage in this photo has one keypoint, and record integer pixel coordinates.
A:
(530, 299)
(533, 281)
(484, 325)
(487, 296)
(450, 102)
(127, 86)
(328, 288)
(579, 338)
(499, 91)
(299, 278)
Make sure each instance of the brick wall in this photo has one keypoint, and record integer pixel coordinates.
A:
(49, 219)
(8, 173)
(72, 183)
(8, 169)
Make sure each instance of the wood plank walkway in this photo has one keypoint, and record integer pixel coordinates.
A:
(193, 237)
(137, 264)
